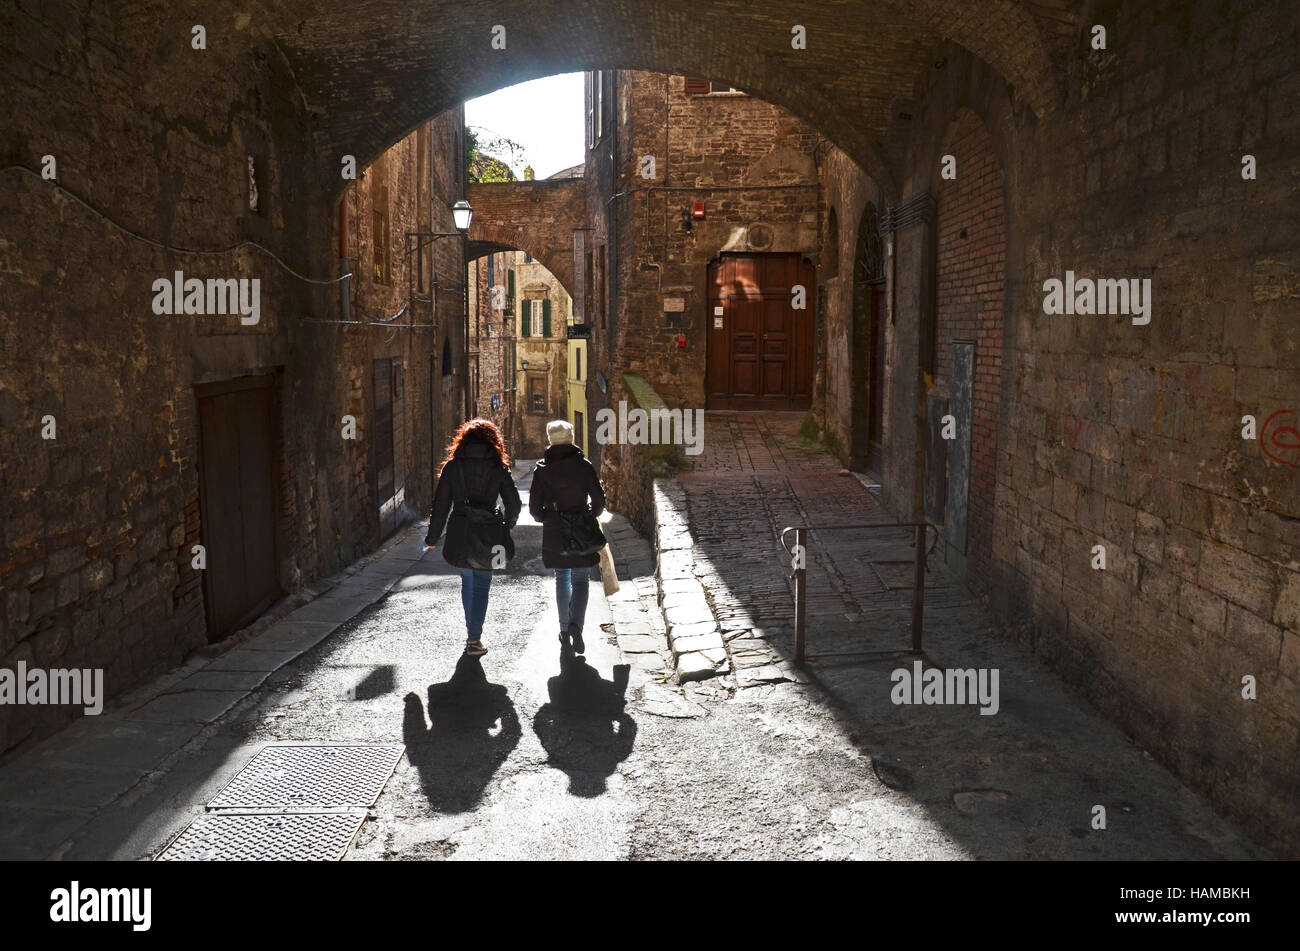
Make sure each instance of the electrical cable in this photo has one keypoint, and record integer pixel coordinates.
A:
(167, 247)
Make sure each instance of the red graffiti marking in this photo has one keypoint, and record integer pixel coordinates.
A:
(1285, 438)
(1080, 434)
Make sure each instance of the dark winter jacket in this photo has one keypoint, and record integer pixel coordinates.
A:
(563, 482)
(485, 481)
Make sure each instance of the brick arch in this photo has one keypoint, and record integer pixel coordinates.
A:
(970, 299)
(369, 72)
(538, 217)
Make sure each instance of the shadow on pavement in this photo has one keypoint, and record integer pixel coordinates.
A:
(471, 729)
(584, 728)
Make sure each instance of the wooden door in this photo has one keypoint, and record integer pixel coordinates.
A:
(759, 345)
(382, 447)
(237, 426)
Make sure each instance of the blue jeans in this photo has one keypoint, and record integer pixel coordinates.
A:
(474, 587)
(571, 596)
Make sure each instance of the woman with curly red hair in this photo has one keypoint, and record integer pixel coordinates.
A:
(475, 473)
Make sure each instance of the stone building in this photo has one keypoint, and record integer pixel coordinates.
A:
(1166, 153)
(493, 381)
(717, 217)
(286, 438)
(544, 311)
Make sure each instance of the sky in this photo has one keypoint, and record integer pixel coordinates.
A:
(545, 116)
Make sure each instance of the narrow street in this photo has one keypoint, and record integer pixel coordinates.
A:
(521, 755)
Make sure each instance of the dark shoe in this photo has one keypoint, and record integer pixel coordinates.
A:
(575, 636)
(564, 640)
(475, 649)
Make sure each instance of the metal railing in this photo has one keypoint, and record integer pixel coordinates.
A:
(800, 577)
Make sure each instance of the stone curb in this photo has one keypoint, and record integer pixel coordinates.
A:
(693, 632)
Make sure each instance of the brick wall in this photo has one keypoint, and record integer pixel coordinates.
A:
(1130, 436)
(969, 299)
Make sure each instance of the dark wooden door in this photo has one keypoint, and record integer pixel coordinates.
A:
(383, 443)
(759, 345)
(237, 425)
(876, 383)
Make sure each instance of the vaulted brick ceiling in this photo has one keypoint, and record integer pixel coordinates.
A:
(370, 70)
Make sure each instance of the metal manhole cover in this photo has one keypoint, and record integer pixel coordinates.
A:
(311, 779)
(222, 837)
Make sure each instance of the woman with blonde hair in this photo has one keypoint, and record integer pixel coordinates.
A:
(566, 490)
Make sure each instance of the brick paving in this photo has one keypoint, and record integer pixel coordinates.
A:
(756, 476)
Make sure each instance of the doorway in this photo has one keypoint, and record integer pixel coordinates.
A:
(868, 412)
(390, 481)
(238, 422)
(759, 344)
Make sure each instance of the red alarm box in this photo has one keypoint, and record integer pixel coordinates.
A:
(681, 341)
(697, 210)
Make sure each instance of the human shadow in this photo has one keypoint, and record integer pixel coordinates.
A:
(472, 726)
(584, 727)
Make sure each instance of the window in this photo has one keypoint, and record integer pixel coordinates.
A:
(590, 97)
(595, 95)
(379, 221)
(256, 200)
(588, 291)
(702, 87)
(600, 287)
(579, 429)
(528, 258)
(577, 364)
(537, 394)
(535, 317)
(510, 284)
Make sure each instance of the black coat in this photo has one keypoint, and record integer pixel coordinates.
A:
(485, 481)
(563, 482)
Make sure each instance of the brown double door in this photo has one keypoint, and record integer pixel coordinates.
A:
(760, 345)
(238, 421)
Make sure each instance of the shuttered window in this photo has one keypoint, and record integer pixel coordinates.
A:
(546, 317)
(525, 318)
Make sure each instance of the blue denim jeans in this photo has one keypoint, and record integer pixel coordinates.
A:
(571, 596)
(474, 587)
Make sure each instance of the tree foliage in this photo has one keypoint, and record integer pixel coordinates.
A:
(490, 157)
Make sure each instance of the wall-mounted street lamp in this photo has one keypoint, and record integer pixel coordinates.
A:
(461, 214)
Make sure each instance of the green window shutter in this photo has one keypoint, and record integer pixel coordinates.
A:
(546, 317)
(525, 318)
(510, 283)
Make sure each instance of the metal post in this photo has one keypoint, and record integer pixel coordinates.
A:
(918, 589)
(800, 591)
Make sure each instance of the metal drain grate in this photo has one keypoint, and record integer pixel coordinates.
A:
(289, 779)
(227, 837)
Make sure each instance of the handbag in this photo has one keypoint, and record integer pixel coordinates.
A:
(581, 533)
(476, 537)
(608, 576)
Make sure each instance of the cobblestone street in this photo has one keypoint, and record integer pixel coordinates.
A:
(521, 756)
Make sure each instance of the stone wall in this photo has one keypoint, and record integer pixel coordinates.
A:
(1130, 436)
(95, 565)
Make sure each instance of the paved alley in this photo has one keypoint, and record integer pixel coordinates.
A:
(523, 755)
